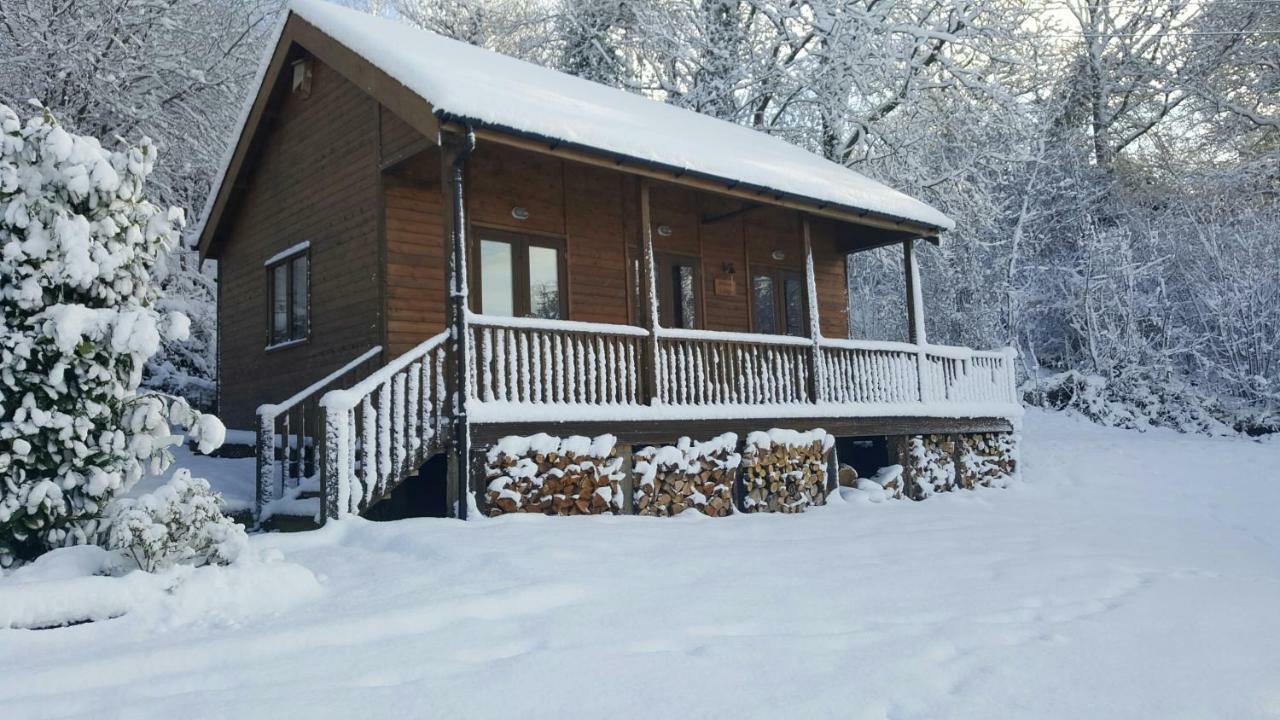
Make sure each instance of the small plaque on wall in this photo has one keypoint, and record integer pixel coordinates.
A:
(726, 285)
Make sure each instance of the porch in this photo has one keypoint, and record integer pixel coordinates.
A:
(524, 376)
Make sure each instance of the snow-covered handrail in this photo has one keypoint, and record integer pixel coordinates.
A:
(549, 325)
(274, 409)
(347, 399)
(958, 352)
(731, 337)
(381, 430)
(291, 428)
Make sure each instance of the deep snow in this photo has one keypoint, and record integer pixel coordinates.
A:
(1128, 576)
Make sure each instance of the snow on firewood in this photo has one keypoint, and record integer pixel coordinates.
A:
(540, 473)
(699, 475)
(785, 470)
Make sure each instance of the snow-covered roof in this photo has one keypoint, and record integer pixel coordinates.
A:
(465, 82)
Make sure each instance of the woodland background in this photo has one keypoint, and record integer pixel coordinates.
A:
(1113, 166)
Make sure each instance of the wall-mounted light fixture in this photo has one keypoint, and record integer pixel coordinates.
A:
(728, 268)
(778, 255)
(664, 230)
(519, 213)
(302, 77)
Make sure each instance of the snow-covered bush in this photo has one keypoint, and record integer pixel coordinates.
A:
(179, 522)
(1135, 401)
(186, 364)
(78, 244)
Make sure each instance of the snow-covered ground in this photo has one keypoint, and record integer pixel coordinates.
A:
(231, 477)
(1129, 576)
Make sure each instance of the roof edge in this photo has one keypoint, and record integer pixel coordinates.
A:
(837, 210)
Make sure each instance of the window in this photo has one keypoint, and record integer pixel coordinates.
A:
(288, 298)
(679, 291)
(520, 275)
(778, 302)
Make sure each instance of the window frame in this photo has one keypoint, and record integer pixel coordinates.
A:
(520, 282)
(779, 276)
(286, 262)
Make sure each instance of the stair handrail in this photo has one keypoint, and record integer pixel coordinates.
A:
(390, 382)
(268, 413)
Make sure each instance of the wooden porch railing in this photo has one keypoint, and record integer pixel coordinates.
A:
(554, 362)
(288, 433)
(527, 360)
(381, 430)
(701, 368)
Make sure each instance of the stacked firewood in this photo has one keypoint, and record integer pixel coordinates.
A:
(985, 459)
(697, 475)
(553, 476)
(784, 470)
(928, 464)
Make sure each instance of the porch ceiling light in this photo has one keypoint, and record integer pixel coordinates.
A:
(664, 230)
(519, 213)
(778, 255)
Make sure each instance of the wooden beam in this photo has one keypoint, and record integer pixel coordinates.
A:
(915, 300)
(650, 286)
(729, 189)
(816, 383)
(634, 432)
(713, 219)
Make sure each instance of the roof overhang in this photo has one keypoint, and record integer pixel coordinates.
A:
(681, 176)
(296, 35)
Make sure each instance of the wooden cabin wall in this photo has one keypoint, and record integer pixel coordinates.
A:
(314, 178)
(596, 211)
(416, 251)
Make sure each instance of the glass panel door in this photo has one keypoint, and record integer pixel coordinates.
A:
(793, 291)
(545, 297)
(497, 278)
(763, 303)
(679, 291)
(778, 302)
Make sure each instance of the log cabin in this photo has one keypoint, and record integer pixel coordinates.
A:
(423, 246)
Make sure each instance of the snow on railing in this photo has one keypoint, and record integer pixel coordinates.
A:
(289, 430)
(971, 376)
(382, 429)
(527, 360)
(870, 372)
(702, 367)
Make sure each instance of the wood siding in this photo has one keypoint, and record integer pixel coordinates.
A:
(416, 252)
(313, 178)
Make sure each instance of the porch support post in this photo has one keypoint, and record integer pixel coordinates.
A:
(650, 298)
(915, 316)
(458, 150)
(817, 381)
